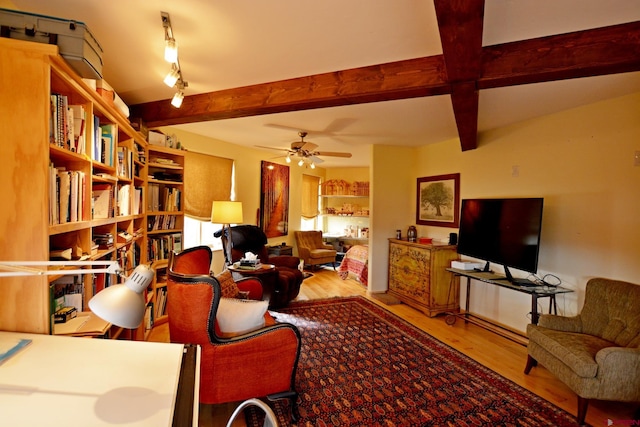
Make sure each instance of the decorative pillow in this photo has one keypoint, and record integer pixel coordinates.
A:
(239, 316)
(228, 286)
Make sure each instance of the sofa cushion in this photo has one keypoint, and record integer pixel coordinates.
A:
(577, 351)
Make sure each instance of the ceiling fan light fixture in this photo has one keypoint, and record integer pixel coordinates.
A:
(312, 165)
(288, 159)
(301, 162)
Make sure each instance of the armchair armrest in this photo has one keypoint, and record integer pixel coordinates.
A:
(619, 372)
(304, 252)
(327, 246)
(285, 261)
(253, 285)
(561, 323)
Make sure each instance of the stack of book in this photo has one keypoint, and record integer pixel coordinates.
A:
(248, 264)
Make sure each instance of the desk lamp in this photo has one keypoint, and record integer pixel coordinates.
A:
(122, 305)
(226, 213)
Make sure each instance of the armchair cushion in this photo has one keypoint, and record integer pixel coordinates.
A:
(237, 316)
(228, 286)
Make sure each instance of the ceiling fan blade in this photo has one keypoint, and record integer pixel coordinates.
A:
(272, 148)
(316, 160)
(332, 154)
(303, 145)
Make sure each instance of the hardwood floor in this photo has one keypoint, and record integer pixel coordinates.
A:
(493, 351)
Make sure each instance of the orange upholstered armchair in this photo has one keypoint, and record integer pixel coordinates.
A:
(234, 367)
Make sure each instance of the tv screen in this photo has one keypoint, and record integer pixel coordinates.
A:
(502, 231)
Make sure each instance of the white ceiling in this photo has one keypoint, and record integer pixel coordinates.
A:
(232, 43)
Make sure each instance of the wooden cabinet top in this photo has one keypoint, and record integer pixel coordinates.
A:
(430, 246)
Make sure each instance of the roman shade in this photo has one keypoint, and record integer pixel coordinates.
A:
(206, 178)
(310, 185)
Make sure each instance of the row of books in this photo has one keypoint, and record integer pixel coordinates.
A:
(162, 198)
(161, 302)
(160, 247)
(66, 195)
(125, 163)
(161, 222)
(125, 203)
(67, 125)
(149, 317)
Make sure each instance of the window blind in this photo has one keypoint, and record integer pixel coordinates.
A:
(206, 178)
(310, 185)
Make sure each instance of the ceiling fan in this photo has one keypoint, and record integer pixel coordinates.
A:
(306, 151)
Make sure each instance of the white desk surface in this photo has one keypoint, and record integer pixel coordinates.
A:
(65, 381)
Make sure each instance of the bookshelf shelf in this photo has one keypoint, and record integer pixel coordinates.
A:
(103, 151)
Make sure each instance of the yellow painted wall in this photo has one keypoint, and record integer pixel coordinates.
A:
(582, 162)
(247, 163)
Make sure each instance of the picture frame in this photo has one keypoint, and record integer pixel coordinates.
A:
(438, 200)
(274, 199)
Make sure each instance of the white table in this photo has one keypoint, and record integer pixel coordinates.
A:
(65, 381)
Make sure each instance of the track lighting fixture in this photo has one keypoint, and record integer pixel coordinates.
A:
(171, 51)
(174, 78)
(177, 99)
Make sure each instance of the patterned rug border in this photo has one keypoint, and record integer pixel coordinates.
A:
(502, 384)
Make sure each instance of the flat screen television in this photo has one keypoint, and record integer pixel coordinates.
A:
(502, 231)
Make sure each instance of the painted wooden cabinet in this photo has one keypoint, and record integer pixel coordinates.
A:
(418, 276)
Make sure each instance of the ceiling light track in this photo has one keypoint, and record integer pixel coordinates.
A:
(174, 77)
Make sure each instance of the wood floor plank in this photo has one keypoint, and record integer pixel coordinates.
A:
(491, 350)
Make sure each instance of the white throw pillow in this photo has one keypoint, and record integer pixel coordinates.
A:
(238, 316)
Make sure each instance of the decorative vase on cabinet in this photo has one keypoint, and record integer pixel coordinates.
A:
(418, 276)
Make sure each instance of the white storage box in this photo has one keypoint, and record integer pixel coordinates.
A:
(466, 265)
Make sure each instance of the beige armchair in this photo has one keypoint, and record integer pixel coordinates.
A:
(596, 353)
(313, 250)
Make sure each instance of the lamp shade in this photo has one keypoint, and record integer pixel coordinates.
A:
(225, 212)
(124, 305)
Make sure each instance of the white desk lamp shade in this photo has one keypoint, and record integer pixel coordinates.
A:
(124, 305)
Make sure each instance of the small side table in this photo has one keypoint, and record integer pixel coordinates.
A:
(266, 273)
(281, 250)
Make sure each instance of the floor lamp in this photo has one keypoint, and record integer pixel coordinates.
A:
(122, 305)
(226, 213)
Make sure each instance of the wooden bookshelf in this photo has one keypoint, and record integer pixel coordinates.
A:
(33, 76)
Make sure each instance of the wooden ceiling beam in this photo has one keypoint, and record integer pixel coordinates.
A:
(411, 78)
(601, 51)
(460, 25)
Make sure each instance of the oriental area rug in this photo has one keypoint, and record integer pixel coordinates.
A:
(361, 365)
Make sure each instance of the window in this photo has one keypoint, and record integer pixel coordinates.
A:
(310, 202)
(198, 233)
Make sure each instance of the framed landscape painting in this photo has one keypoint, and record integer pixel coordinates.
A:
(438, 201)
(274, 199)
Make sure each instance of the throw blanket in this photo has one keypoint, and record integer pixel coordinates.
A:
(355, 264)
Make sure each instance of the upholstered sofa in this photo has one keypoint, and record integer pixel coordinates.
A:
(597, 352)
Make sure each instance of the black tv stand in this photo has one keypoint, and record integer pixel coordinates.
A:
(536, 291)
